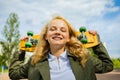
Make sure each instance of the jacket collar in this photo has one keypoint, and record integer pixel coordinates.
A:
(77, 69)
(76, 66)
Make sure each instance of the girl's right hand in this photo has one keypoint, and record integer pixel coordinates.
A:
(24, 38)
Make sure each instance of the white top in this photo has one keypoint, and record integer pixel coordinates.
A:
(60, 68)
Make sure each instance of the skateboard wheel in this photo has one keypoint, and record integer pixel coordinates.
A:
(28, 44)
(30, 33)
(82, 29)
(83, 40)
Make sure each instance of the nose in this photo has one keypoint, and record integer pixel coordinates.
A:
(57, 32)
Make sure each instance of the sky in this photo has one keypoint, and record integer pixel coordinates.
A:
(100, 15)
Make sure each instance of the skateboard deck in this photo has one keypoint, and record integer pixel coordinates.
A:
(88, 40)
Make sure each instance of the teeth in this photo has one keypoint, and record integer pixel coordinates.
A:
(58, 38)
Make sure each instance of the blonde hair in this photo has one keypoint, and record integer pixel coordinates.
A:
(74, 46)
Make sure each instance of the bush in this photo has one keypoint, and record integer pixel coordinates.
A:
(116, 62)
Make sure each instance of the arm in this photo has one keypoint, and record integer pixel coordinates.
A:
(102, 63)
(17, 68)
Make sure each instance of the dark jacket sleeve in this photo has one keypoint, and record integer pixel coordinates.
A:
(17, 69)
(102, 62)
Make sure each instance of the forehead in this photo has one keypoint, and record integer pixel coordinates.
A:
(58, 22)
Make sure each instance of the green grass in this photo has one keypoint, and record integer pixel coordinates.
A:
(116, 62)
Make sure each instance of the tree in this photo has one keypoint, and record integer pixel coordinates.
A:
(10, 38)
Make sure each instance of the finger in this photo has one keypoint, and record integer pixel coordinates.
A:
(25, 38)
(92, 32)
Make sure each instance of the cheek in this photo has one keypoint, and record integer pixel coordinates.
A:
(68, 38)
(47, 36)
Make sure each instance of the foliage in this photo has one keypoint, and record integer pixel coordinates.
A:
(2, 60)
(10, 39)
(116, 62)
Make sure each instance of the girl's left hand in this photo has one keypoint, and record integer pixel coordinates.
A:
(93, 32)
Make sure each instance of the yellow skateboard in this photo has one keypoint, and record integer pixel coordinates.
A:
(84, 36)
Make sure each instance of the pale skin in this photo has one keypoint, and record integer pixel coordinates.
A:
(57, 35)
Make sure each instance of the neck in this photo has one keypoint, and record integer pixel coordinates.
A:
(56, 51)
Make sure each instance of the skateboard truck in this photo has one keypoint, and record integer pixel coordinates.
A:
(83, 36)
(30, 43)
(86, 38)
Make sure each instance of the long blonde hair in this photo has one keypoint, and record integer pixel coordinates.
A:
(74, 46)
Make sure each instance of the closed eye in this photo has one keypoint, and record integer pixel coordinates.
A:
(52, 28)
(63, 29)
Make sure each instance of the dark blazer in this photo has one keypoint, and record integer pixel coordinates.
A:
(100, 64)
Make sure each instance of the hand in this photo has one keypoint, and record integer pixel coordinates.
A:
(93, 32)
(25, 38)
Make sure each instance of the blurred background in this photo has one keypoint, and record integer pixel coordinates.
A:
(17, 17)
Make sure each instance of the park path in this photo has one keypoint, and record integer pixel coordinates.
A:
(114, 75)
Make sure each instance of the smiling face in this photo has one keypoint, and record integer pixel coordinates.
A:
(57, 33)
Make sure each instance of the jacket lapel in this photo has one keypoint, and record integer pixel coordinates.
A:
(76, 67)
(43, 67)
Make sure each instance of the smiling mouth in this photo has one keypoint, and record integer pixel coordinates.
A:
(57, 38)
